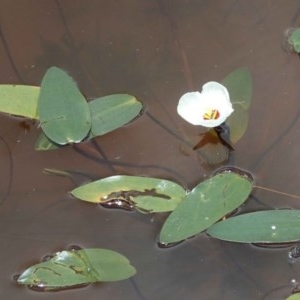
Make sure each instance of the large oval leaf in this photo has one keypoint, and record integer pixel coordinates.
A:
(20, 100)
(274, 226)
(147, 194)
(207, 203)
(63, 111)
(113, 111)
(239, 85)
(77, 267)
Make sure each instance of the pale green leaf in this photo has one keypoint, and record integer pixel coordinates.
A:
(20, 100)
(294, 297)
(147, 194)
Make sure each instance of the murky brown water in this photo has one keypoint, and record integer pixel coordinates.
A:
(155, 50)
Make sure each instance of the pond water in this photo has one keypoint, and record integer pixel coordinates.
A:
(157, 51)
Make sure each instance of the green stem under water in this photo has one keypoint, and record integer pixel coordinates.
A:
(276, 192)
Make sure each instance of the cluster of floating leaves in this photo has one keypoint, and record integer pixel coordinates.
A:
(75, 268)
(66, 117)
(201, 209)
(208, 207)
(64, 114)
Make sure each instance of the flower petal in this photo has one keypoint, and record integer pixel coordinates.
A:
(190, 107)
(214, 90)
(210, 108)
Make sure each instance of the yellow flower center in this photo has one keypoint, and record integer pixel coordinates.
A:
(211, 114)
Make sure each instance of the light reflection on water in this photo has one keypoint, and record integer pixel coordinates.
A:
(157, 51)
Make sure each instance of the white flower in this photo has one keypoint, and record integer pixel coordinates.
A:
(210, 108)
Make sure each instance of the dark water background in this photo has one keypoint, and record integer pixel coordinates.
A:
(156, 50)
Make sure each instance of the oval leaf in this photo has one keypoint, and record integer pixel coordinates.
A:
(20, 100)
(64, 113)
(78, 267)
(147, 194)
(274, 226)
(207, 203)
(113, 111)
(239, 85)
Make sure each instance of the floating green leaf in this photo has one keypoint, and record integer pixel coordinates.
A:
(78, 267)
(207, 203)
(239, 85)
(274, 226)
(147, 194)
(20, 100)
(113, 111)
(64, 113)
(294, 297)
(294, 40)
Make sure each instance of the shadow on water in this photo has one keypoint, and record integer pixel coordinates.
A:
(157, 51)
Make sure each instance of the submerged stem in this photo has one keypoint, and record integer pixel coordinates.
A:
(276, 192)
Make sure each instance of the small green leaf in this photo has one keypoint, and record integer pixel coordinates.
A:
(147, 194)
(239, 85)
(273, 226)
(64, 112)
(78, 267)
(20, 100)
(294, 40)
(113, 111)
(294, 297)
(207, 203)
(43, 143)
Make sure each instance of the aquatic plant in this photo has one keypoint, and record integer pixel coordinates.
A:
(66, 117)
(76, 268)
(63, 112)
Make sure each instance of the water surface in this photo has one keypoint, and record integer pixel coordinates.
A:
(157, 51)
